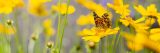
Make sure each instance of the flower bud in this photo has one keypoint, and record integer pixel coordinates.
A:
(50, 44)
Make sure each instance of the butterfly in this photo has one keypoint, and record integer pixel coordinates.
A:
(102, 22)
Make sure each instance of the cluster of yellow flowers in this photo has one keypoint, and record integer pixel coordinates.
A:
(144, 35)
(94, 34)
(35, 7)
(38, 8)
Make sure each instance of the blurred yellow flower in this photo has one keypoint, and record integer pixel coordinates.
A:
(134, 46)
(120, 8)
(94, 34)
(62, 9)
(89, 4)
(135, 42)
(7, 6)
(47, 23)
(129, 21)
(150, 12)
(85, 19)
(8, 30)
(37, 7)
(140, 40)
(19, 3)
(48, 29)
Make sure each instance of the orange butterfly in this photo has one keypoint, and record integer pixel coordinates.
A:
(102, 22)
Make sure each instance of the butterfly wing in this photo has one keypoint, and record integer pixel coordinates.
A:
(106, 21)
(96, 19)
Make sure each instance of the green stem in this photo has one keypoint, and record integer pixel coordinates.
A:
(59, 22)
(65, 24)
(20, 50)
(46, 40)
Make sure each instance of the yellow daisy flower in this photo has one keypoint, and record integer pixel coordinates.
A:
(129, 21)
(140, 40)
(63, 8)
(47, 23)
(150, 13)
(48, 29)
(37, 8)
(94, 34)
(8, 30)
(6, 6)
(89, 4)
(135, 42)
(19, 3)
(120, 8)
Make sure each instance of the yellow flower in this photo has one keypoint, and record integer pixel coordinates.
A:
(19, 3)
(135, 42)
(140, 40)
(63, 9)
(8, 30)
(7, 6)
(129, 21)
(36, 7)
(89, 4)
(94, 34)
(150, 12)
(85, 19)
(120, 8)
(49, 31)
(47, 25)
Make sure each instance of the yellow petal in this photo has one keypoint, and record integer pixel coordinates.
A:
(124, 22)
(152, 8)
(112, 31)
(63, 8)
(86, 32)
(140, 9)
(140, 19)
(133, 46)
(92, 38)
(118, 2)
(140, 38)
(85, 20)
(155, 36)
(155, 30)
